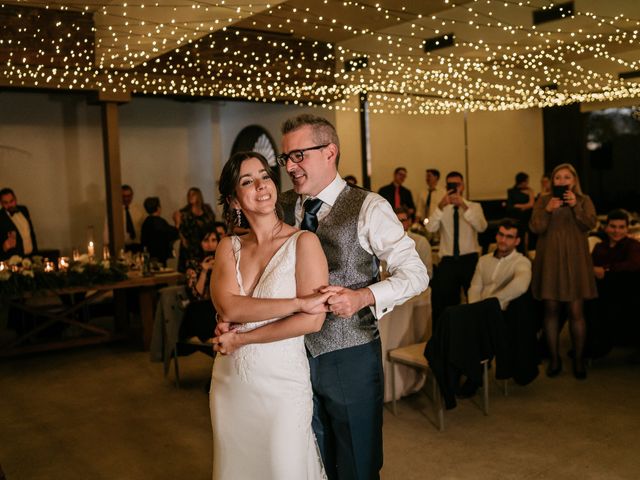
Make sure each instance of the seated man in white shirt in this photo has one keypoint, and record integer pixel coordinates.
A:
(504, 274)
(458, 222)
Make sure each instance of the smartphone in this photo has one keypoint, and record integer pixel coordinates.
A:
(558, 192)
(452, 186)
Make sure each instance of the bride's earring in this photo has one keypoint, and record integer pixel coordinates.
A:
(238, 217)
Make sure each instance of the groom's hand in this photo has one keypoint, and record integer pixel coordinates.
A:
(345, 302)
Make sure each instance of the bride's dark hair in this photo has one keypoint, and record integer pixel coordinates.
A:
(229, 182)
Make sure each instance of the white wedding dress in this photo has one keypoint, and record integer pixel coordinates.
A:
(261, 399)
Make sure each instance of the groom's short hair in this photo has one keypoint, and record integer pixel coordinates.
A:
(323, 130)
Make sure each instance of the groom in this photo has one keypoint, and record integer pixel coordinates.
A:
(357, 229)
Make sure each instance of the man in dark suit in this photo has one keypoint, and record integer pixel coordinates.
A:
(397, 195)
(17, 235)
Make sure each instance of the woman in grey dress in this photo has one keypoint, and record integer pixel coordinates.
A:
(562, 269)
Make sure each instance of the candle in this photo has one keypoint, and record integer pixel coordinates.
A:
(91, 249)
(63, 263)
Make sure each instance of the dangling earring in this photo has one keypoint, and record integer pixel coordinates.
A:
(238, 217)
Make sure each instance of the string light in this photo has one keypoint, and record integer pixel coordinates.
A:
(279, 52)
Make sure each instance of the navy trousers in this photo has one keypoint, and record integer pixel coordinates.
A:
(348, 394)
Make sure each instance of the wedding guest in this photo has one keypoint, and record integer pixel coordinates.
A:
(545, 185)
(17, 235)
(221, 229)
(132, 218)
(357, 229)
(619, 252)
(520, 200)
(397, 195)
(616, 266)
(200, 317)
(422, 244)
(562, 268)
(430, 198)
(458, 221)
(192, 220)
(157, 235)
(351, 180)
(504, 274)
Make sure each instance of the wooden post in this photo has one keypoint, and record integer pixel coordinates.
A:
(113, 178)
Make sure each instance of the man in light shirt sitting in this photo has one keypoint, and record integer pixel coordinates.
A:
(504, 274)
(17, 236)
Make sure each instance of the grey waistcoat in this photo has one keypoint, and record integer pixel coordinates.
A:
(349, 266)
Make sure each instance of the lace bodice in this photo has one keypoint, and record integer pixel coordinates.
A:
(278, 279)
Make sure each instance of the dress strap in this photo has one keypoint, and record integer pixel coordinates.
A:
(237, 247)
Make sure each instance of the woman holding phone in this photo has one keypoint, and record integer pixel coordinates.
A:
(562, 268)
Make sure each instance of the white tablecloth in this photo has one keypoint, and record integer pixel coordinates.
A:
(405, 325)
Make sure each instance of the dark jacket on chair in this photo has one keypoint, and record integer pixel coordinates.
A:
(464, 336)
(520, 357)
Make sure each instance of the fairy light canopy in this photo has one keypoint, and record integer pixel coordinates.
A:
(324, 52)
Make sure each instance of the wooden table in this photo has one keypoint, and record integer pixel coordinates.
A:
(144, 286)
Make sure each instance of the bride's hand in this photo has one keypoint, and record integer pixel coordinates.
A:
(223, 326)
(227, 342)
(315, 303)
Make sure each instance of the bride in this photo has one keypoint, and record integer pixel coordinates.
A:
(261, 399)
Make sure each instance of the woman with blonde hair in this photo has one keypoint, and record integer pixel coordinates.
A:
(562, 269)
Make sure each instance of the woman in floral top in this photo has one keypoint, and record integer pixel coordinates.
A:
(193, 221)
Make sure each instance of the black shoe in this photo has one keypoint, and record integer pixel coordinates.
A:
(554, 372)
(579, 370)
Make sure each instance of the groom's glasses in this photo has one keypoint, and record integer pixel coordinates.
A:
(296, 156)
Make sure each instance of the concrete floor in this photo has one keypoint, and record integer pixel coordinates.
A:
(107, 413)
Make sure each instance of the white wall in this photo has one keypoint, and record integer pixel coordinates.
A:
(165, 148)
(51, 155)
(501, 145)
(51, 152)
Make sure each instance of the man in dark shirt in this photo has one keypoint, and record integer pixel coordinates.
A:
(616, 266)
(397, 195)
(157, 235)
(619, 253)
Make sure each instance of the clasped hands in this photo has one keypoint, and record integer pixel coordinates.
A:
(569, 198)
(341, 301)
(454, 199)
